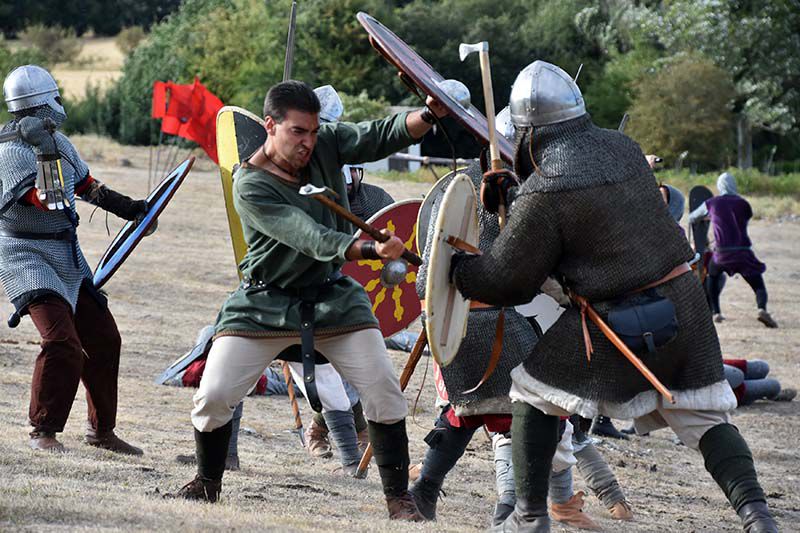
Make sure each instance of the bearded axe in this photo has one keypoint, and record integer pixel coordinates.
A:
(319, 194)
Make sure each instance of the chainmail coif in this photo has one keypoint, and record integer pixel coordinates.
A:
(368, 200)
(593, 217)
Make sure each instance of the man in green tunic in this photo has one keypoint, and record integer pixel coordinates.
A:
(296, 247)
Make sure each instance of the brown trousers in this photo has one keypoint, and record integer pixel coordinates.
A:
(80, 347)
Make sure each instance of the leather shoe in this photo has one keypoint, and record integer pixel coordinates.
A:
(45, 441)
(403, 508)
(107, 440)
(199, 489)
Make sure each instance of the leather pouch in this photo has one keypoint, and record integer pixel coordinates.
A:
(645, 321)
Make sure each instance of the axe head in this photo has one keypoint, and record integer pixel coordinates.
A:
(312, 190)
(465, 49)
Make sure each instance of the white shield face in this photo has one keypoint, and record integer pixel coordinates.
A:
(446, 310)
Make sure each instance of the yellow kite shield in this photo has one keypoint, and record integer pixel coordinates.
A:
(239, 134)
(391, 285)
(446, 310)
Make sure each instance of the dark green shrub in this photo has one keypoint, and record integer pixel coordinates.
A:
(129, 38)
(57, 44)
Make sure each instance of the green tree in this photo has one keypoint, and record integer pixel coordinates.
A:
(333, 48)
(520, 33)
(10, 60)
(611, 94)
(685, 106)
(361, 107)
(755, 42)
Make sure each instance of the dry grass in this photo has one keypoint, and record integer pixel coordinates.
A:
(98, 64)
(174, 285)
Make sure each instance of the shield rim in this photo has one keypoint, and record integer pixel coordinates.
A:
(479, 128)
(461, 310)
(360, 234)
(427, 204)
(130, 235)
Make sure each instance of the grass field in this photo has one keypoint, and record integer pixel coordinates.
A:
(174, 284)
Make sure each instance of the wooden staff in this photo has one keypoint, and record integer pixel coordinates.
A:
(405, 377)
(298, 422)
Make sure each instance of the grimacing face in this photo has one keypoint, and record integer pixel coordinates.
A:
(295, 137)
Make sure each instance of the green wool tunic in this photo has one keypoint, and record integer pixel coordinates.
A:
(295, 243)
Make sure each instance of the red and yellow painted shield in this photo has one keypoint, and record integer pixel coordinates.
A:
(391, 285)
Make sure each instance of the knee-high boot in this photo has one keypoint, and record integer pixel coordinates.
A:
(447, 445)
(390, 449)
(729, 461)
(533, 443)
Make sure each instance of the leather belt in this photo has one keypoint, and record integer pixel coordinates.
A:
(584, 304)
(66, 235)
(683, 268)
(308, 297)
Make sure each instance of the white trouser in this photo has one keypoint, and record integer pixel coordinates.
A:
(234, 365)
(330, 387)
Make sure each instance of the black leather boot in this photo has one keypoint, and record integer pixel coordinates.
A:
(426, 494)
(211, 452)
(603, 426)
(528, 517)
(756, 518)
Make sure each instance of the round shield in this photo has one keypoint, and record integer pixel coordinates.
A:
(424, 218)
(422, 75)
(391, 285)
(131, 234)
(446, 310)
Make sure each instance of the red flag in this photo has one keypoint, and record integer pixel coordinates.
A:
(188, 111)
(201, 127)
(159, 107)
(179, 108)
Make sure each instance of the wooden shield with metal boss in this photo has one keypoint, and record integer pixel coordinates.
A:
(391, 285)
(445, 309)
(417, 72)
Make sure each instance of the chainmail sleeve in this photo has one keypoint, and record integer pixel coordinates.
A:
(524, 254)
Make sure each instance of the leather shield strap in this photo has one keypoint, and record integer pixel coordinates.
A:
(464, 246)
(497, 350)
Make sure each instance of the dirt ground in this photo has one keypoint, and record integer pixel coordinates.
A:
(174, 285)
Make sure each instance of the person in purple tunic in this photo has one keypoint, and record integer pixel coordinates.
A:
(733, 254)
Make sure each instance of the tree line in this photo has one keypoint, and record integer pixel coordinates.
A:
(711, 83)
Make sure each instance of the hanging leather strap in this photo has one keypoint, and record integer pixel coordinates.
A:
(307, 356)
(497, 350)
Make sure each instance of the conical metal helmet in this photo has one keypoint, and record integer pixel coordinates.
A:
(31, 86)
(544, 94)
